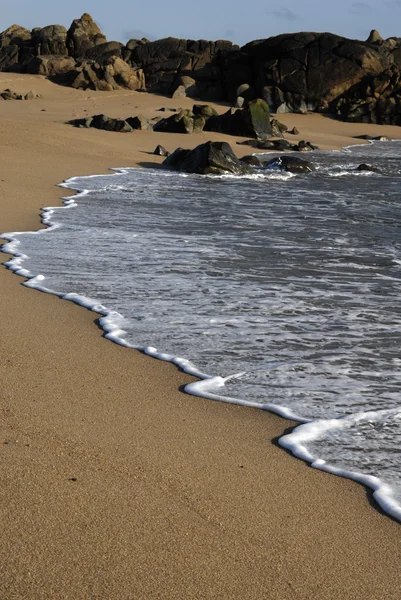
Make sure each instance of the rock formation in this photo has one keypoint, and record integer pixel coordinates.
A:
(297, 72)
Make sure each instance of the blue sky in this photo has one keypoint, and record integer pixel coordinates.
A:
(235, 20)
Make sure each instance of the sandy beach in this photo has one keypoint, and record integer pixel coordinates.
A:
(114, 484)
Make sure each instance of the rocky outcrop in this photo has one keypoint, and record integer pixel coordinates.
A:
(214, 158)
(304, 71)
(80, 57)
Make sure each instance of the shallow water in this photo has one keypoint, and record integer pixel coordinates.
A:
(283, 288)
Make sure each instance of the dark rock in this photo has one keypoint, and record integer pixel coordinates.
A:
(102, 122)
(378, 138)
(294, 131)
(165, 61)
(209, 158)
(160, 151)
(139, 122)
(164, 109)
(280, 144)
(292, 164)
(9, 57)
(253, 121)
(365, 167)
(10, 95)
(301, 72)
(110, 124)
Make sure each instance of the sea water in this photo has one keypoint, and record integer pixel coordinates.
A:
(278, 291)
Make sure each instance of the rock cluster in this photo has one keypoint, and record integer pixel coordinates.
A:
(8, 94)
(80, 57)
(253, 121)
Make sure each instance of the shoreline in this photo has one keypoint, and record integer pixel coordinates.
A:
(107, 502)
(382, 500)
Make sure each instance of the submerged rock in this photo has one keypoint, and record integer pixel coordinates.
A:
(209, 158)
(365, 167)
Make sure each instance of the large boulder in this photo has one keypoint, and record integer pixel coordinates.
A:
(299, 72)
(253, 121)
(50, 40)
(165, 61)
(83, 35)
(210, 158)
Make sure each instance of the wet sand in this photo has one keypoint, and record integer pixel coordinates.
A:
(113, 483)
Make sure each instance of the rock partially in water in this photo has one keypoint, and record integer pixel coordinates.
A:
(369, 168)
(209, 158)
(292, 164)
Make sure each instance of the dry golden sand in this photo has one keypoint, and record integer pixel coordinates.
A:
(113, 483)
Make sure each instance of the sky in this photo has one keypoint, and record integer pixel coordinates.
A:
(234, 20)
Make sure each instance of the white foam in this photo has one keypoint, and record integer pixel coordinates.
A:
(296, 442)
